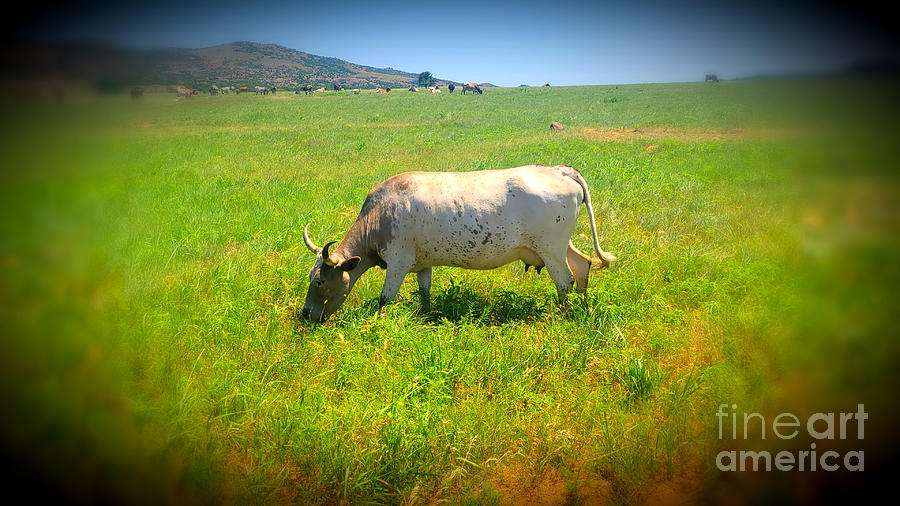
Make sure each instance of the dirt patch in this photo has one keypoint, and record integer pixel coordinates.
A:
(517, 484)
(664, 494)
(591, 489)
(609, 134)
(520, 484)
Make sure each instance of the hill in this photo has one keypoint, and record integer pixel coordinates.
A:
(236, 63)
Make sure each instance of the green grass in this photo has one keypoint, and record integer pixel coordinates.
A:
(152, 267)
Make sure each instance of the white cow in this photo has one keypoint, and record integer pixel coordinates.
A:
(474, 220)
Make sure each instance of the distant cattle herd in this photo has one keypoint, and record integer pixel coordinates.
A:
(185, 92)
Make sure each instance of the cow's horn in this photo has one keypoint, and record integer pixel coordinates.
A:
(327, 258)
(309, 244)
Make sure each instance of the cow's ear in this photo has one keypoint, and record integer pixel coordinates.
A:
(349, 264)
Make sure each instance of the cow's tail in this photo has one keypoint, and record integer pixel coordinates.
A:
(606, 257)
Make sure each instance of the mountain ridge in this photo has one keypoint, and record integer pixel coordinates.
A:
(240, 63)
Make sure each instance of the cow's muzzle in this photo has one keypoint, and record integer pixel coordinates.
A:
(308, 315)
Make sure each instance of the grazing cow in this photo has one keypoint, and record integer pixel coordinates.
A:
(382, 90)
(183, 92)
(225, 90)
(261, 90)
(243, 89)
(555, 126)
(434, 89)
(356, 91)
(306, 89)
(273, 90)
(337, 87)
(471, 87)
(214, 90)
(451, 87)
(475, 220)
(137, 92)
(712, 77)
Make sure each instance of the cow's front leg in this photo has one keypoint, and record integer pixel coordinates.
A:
(424, 279)
(393, 280)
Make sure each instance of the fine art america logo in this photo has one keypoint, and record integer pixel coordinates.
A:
(787, 426)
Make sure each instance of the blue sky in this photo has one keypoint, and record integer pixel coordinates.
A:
(523, 42)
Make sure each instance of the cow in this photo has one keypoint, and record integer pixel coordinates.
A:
(183, 92)
(451, 87)
(547, 85)
(320, 89)
(471, 87)
(337, 87)
(272, 90)
(414, 89)
(356, 91)
(306, 89)
(382, 90)
(711, 77)
(414, 221)
(243, 89)
(434, 89)
(226, 89)
(261, 90)
(214, 90)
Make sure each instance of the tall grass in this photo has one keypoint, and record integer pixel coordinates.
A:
(153, 267)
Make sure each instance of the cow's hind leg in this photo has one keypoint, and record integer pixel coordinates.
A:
(560, 274)
(424, 279)
(580, 265)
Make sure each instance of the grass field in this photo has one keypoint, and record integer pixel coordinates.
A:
(152, 268)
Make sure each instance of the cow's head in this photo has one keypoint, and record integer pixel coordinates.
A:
(329, 280)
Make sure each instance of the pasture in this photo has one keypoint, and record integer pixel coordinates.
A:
(152, 269)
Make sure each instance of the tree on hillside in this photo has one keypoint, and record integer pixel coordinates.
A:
(426, 79)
